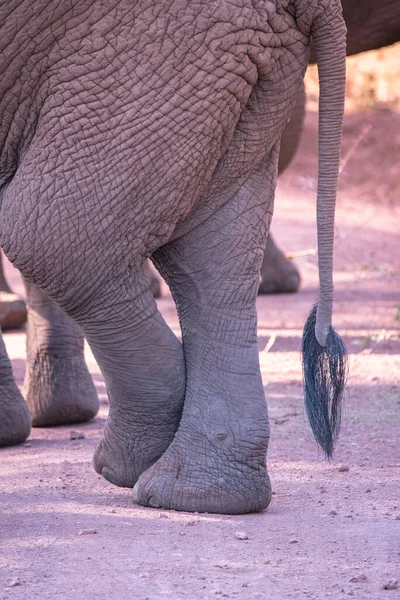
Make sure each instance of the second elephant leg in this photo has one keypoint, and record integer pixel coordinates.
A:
(216, 462)
(58, 386)
(142, 363)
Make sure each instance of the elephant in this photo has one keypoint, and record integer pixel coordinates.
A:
(62, 400)
(370, 25)
(135, 128)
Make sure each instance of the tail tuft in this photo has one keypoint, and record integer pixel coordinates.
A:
(324, 376)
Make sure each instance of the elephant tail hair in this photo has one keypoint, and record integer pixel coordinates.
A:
(324, 377)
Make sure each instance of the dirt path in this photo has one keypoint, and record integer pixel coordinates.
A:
(330, 532)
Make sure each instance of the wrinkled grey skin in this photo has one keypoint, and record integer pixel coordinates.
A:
(143, 128)
(370, 24)
(13, 312)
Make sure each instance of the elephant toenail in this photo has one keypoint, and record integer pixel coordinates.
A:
(154, 502)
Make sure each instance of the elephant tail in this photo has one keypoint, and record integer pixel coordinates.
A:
(323, 352)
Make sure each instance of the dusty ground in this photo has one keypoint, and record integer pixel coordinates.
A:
(65, 532)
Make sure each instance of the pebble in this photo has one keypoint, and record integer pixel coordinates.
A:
(293, 541)
(332, 512)
(87, 531)
(76, 435)
(191, 523)
(343, 468)
(280, 420)
(196, 559)
(358, 578)
(14, 582)
(392, 584)
(241, 535)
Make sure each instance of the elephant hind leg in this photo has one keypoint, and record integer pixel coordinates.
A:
(216, 462)
(142, 363)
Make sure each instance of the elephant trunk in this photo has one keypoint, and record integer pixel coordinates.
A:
(324, 354)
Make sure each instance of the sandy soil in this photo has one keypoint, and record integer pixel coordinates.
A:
(333, 529)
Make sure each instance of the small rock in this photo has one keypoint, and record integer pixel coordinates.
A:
(332, 512)
(343, 468)
(191, 523)
(241, 535)
(222, 565)
(358, 578)
(87, 531)
(280, 420)
(368, 491)
(76, 435)
(15, 582)
(392, 584)
(196, 559)
(163, 515)
(293, 541)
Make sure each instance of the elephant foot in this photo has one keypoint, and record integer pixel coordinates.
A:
(15, 422)
(278, 274)
(127, 450)
(59, 390)
(12, 311)
(195, 475)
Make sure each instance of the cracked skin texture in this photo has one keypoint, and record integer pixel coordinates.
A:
(139, 126)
